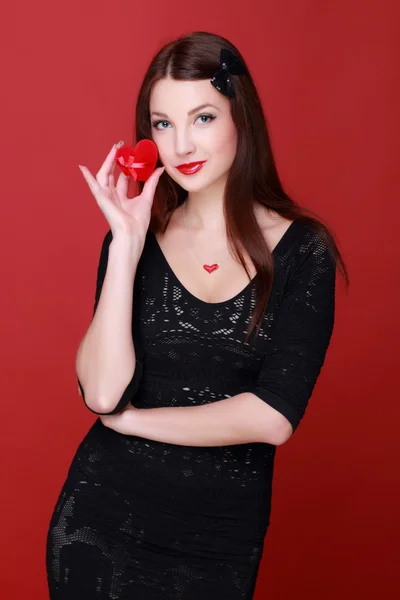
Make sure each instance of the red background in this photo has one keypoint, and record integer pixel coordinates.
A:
(327, 73)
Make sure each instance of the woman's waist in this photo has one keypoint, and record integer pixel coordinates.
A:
(228, 474)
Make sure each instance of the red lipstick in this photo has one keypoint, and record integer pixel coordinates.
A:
(190, 168)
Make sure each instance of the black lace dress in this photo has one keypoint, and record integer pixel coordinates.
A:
(143, 520)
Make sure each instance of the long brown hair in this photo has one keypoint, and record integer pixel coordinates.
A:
(253, 175)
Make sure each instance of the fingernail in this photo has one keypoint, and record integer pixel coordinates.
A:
(121, 143)
(80, 166)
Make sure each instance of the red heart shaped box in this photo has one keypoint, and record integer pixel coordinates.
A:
(138, 162)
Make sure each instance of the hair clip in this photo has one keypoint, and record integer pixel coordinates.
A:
(229, 65)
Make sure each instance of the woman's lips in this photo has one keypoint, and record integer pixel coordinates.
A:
(191, 168)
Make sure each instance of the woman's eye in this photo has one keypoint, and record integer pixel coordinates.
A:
(209, 117)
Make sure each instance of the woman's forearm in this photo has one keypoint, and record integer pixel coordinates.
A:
(105, 360)
(241, 419)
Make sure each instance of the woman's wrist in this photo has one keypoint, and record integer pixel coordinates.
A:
(127, 245)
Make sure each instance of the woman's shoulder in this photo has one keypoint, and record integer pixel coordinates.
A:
(309, 249)
(283, 235)
(299, 244)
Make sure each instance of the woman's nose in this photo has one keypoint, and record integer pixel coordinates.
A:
(184, 144)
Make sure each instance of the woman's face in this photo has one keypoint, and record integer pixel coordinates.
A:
(207, 133)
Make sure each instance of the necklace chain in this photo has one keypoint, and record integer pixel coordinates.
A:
(190, 241)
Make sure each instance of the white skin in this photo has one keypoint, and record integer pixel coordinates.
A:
(183, 138)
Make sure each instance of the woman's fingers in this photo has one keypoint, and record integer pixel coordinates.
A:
(104, 182)
(122, 185)
(113, 191)
(150, 186)
(108, 165)
(91, 181)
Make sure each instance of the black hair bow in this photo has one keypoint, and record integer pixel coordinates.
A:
(229, 65)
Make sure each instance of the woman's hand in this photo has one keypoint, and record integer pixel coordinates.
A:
(125, 215)
(122, 422)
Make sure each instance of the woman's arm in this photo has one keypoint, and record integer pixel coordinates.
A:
(105, 360)
(241, 419)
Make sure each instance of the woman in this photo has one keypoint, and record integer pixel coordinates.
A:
(216, 290)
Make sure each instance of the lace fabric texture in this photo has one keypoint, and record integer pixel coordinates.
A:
(149, 520)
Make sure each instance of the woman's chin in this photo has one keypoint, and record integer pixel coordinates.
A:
(191, 183)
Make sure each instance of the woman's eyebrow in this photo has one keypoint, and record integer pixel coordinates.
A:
(191, 112)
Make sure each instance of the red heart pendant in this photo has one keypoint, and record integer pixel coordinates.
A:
(210, 268)
(138, 162)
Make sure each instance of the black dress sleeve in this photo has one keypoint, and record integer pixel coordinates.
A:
(133, 385)
(303, 329)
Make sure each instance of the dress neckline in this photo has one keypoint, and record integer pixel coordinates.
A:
(274, 252)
